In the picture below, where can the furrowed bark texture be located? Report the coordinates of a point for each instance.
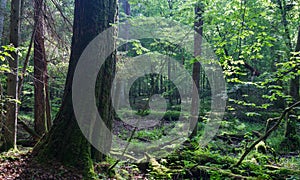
(65, 141)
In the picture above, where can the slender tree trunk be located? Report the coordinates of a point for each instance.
(284, 21)
(48, 106)
(291, 120)
(294, 86)
(122, 94)
(169, 84)
(282, 7)
(117, 94)
(196, 68)
(119, 90)
(126, 7)
(2, 15)
(10, 132)
(40, 72)
(65, 141)
(294, 83)
(1, 109)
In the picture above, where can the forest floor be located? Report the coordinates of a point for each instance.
(184, 163)
(20, 165)
(215, 161)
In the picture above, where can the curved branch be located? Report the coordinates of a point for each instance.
(268, 132)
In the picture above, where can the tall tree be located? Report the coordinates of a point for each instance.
(10, 132)
(2, 15)
(119, 93)
(42, 118)
(294, 83)
(198, 25)
(291, 122)
(294, 86)
(65, 142)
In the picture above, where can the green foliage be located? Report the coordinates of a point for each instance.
(239, 31)
(4, 54)
(154, 134)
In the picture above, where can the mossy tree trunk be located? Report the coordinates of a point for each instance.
(65, 141)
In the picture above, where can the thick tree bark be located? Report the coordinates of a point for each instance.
(2, 15)
(198, 25)
(65, 142)
(10, 132)
(40, 72)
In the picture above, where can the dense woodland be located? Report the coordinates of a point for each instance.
(238, 119)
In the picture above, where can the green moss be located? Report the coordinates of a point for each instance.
(66, 144)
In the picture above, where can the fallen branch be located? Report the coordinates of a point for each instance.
(115, 153)
(268, 132)
(29, 130)
(231, 137)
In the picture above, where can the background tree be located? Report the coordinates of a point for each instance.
(10, 131)
(2, 15)
(120, 85)
(295, 82)
(290, 133)
(42, 119)
(197, 65)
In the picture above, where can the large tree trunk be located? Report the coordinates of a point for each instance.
(10, 132)
(65, 142)
(2, 15)
(198, 25)
(40, 72)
